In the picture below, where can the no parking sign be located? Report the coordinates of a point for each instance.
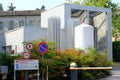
(43, 47)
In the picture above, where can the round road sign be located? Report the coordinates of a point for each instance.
(43, 47)
(29, 46)
(26, 55)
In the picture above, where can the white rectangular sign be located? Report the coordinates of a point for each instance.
(26, 64)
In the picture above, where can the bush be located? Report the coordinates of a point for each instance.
(116, 51)
(58, 62)
(7, 60)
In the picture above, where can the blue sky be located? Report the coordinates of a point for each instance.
(33, 4)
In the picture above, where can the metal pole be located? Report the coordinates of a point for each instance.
(14, 75)
(42, 73)
(42, 57)
(26, 75)
(73, 72)
(38, 70)
(47, 74)
(14, 71)
(38, 73)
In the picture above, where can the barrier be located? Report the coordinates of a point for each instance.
(91, 68)
(74, 68)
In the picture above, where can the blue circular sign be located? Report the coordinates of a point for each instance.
(43, 47)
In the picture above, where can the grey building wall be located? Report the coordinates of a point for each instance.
(54, 25)
(63, 39)
(19, 21)
(33, 33)
(99, 22)
(71, 31)
(2, 41)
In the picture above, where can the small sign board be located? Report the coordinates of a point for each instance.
(3, 69)
(26, 64)
(26, 55)
(43, 47)
(29, 46)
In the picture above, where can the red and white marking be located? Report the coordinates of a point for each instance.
(26, 55)
(29, 46)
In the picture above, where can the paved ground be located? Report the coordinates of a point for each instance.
(115, 73)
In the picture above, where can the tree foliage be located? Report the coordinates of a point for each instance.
(1, 7)
(98, 3)
(11, 7)
(74, 1)
(116, 51)
(7, 60)
(58, 61)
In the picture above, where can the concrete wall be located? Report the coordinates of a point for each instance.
(63, 39)
(54, 12)
(14, 38)
(2, 41)
(101, 25)
(33, 33)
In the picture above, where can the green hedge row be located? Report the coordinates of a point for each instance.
(116, 51)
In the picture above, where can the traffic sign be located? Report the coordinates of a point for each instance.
(26, 64)
(29, 46)
(43, 47)
(26, 55)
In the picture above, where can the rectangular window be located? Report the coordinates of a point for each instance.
(21, 23)
(30, 23)
(11, 24)
(1, 25)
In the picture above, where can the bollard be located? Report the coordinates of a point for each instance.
(73, 72)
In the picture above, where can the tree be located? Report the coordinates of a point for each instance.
(98, 3)
(43, 8)
(1, 8)
(74, 1)
(11, 7)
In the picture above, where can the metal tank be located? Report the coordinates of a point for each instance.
(84, 36)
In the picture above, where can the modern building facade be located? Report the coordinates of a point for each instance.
(58, 24)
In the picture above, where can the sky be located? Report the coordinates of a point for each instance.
(33, 4)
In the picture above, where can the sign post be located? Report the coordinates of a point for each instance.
(25, 65)
(29, 47)
(43, 49)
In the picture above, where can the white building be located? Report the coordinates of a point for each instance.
(57, 24)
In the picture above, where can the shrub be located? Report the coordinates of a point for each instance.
(58, 62)
(116, 51)
(7, 60)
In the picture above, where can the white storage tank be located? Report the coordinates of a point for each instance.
(84, 36)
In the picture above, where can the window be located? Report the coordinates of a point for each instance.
(11, 25)
(1, 25)
(21, 23)
(7, 49)
(30, 23)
